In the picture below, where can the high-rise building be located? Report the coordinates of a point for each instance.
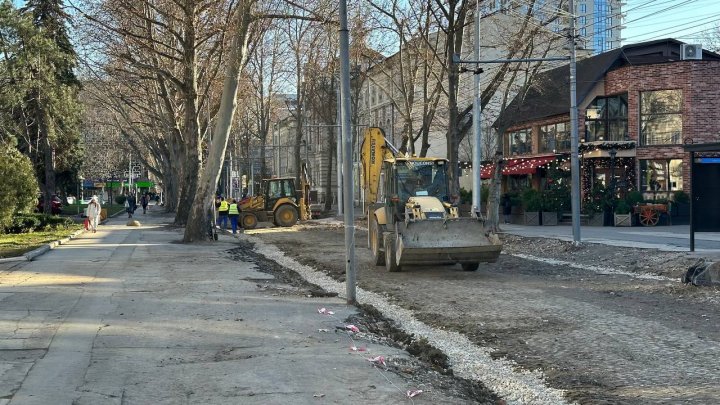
(598, 23)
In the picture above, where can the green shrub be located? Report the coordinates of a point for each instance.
(26, 223)
(120, 199)
(634, 198)
(681, 197)
(18, 186)
(622, 207)
(531, 200)
(22, 223)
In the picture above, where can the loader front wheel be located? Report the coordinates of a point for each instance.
(374, 238)
(390, 254)
(470, 266)
(286, 215)
(249, 221)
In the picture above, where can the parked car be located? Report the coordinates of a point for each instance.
(55, 204)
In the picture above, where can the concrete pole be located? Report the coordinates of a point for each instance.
(347, 155)
(574, 144)
(477, 112)
(339, 157)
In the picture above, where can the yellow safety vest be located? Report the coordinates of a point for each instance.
(223, 206)
(233, 209)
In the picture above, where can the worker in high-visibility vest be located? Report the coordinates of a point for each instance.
(223, 213)
(233, 213)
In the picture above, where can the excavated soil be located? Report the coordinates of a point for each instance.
(603, 337)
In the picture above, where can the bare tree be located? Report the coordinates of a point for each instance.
(412, 78)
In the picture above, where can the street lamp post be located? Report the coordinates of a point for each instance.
(79, 195)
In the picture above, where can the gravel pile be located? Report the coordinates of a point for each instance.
(468, 360)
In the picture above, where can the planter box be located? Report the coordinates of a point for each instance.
(549, 218)
(532, 218)
(596, 220)
(623, 219)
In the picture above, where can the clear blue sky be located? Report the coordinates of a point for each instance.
(686, 20)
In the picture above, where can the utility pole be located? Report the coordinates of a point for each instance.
(574, 159)
(477, 112)
(347, 155)
(338, 144)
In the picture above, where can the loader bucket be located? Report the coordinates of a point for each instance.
(457, 240)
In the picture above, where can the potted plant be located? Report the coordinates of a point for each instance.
(623, 216)
(551, 208)
(592, 209)
(532, 204)
(680, 208)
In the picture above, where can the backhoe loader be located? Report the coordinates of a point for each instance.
(411, 219)
(279, 201)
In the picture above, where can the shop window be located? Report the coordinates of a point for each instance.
(606, 119)
(661, 175)
(519, 142)
(660, 117)
(555, 137)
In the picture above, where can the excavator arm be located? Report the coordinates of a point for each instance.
(375, 149)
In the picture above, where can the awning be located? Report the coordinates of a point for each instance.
(518, 166)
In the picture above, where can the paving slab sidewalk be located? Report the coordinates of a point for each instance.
(130, 316)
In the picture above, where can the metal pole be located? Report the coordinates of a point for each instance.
(692, 199)
(339, 157)
(574, 161)
(130, 173)
(477, 111)
(347, 154)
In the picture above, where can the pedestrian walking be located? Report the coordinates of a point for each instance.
(233, 214)
(506, 207)
(130, 205)
(144, 202)
(223, 213)
(93, 213)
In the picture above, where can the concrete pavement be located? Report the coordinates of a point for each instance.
(675, 238)
(130, 316)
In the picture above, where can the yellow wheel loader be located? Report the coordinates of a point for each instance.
(279, 201)
(410, 217)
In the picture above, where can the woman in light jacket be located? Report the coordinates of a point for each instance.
(93, 213)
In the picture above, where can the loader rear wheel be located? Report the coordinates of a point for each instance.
(470, 266)
(374, 237)
(249, 221)
(286, 215)
(390, 254)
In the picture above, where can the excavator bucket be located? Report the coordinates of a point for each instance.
(455, 240)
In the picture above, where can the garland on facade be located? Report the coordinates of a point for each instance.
(589, 147)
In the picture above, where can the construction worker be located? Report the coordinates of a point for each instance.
(233, 213)
(223, 213)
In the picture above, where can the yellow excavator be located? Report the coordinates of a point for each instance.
(279, 201)
(410, 217)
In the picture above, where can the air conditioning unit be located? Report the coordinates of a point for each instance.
(691, 51)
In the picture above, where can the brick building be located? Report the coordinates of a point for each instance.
(638, 105)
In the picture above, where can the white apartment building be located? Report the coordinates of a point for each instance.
(382, 100)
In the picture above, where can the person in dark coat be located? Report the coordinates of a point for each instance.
(130, 205)
(506, 203)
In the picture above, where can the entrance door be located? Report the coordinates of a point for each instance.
(706, 195)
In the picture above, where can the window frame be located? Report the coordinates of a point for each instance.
(544, 146)
(528, 142)
(677, 114)
(669, 182)
(606, 120)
